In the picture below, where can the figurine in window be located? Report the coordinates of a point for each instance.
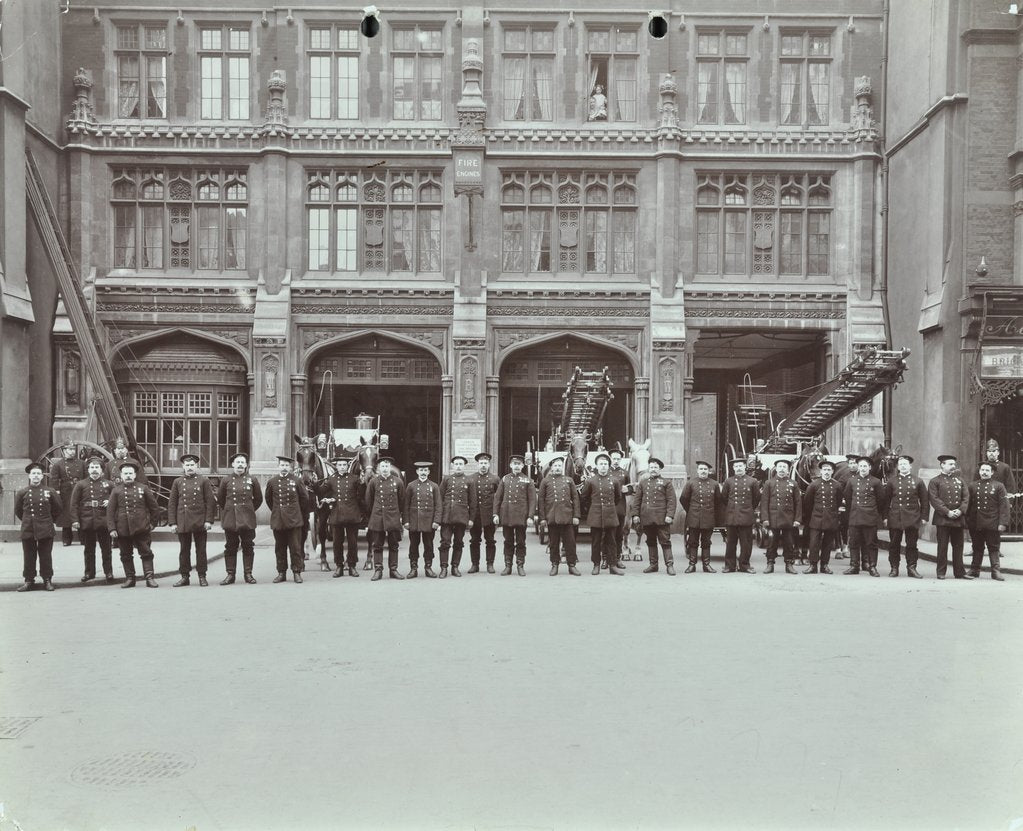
(598, 104)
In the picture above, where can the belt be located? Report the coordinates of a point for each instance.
(94, 503)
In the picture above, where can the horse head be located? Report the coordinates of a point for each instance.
(639, 455)
(807, 466)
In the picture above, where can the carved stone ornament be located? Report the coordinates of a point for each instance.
(510, 337)
(269, 342)
(270, 367)
(275, 121)
(468, 374)
(669, 106)
(863, 123)
(1017, 208)
(72, 379)
(82, 114)
(668, 345)
(433, 338)
(470, 343)
(667, 368)
(472, 107)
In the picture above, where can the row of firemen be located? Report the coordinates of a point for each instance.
(127, 511)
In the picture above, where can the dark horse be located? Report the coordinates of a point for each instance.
(313, 469)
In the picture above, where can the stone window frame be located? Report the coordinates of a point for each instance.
(421, 57)
(613, 59)
(529, 96)
(142, 47)
(809, 56)
(346, 44)
(773, 206)
(169, 202)
(361, 207)
(230, 54)
(722, 58)
(570, 200)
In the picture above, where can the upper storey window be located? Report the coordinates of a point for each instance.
(333, 72)
(141, 56)
(721, 62)
(417, 53)
(528, 62)
(611, 89)
(805, 94)
(224, 73)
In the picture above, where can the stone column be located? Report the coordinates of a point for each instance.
(299, 423)
(642, 408)
(447, 383)
(493, 414)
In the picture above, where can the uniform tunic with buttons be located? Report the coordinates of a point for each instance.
(515, 500)
(1003, 473)
(908, 502)
(87, 503)
(865, 500)
(700, 499)
(36, 507)
(558, 499)
(64, 475)
(458, 499)
(239, 496)
(348, 493)
(597, 499)
(132, 510)
(948, 492)
(286, 498)
(114, 471)
(781, 503)
(192, 504)
(821, 503)
(484, 486)
(385, 497)
(622, 478)
(422, 505)
(740, 497)
(654, 502)
(989, 505)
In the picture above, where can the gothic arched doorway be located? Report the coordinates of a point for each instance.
(386, 378)
(533, 379)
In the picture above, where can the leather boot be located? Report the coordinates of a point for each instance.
(297, 576)
(811, 570)
(109, 577)
(669, 567)
(429, 572)
(789, 568)
(378, 574)
(413, 573)
(280, 578)
(974, 571)
(48, 586)
(184, 581)
(707, 567)
(394, 574)
(443, 572)
(474, 569)
(507, 567)
(353, 571)
(202, 580)
(912, 572)
(227, 581)
(996, 567)
(339, 572)
(854, 567)
(554, 569)
(894, 572)
(596, 569)
(151, 581)
(613, 569)
(769, 569)
(825, 569)
(129, 582)
(692, 566)
(521, 571)
(248, 577)
(27, 586)
(872, 571)
(87, 577)
(490, 568)
(454, 571)
(653, 567)
(574, 571)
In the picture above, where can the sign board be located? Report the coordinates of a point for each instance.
(468, 448)
(1001, 362)
(468, 167)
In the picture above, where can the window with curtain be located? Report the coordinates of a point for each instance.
(528, 69)
(224, 73)
(805, 78)
(611, 89)
(417, 54)
(389, 222)
(568, 222)
(141, 58)
(333, 52)
(180, 218)
(764, 224)
(721, 69)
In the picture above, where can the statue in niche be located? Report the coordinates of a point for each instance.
(598, 105)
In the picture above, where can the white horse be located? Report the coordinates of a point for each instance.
(639, 462)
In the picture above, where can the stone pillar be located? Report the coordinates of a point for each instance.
(469, 399)
(447, 383)
(642, 408)
(299, 422)
(493, 414)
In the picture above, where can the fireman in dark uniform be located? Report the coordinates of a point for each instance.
(89, 502)
(950, 499)
(422, 519)
(781, 507)
(700, 499)
(239, 496)
(484, 483)
(908, 509)
(458, 507)
(191, 509)
(345, 493)
(558, 508)
(864, 497)
(514, 506)
(653, 510)
(1002, 472)
(987, 517)
(822, 507)
(131, 515)
(65, 473)
(35, 507)
(597, 500)
(385, 501)
(121, 454)
(740, 500)
(621, 476)
(287, 499)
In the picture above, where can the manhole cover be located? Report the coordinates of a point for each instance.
(13, 726)
(131, 769)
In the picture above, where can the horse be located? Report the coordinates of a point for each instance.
(313, 469)
(578, 446)
(639, 462)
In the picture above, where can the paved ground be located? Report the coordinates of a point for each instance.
(700, 701)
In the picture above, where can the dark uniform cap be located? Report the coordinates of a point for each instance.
(600, 456)
(733, 462)
(456, 458)
(859, 459)
(383, 459)
(479, 457)
(128, 463)
(97, 459)
(827, 463)
(190, 457)
(287, 459)
(244, 456)
(517, 458)
(782, 462)
(946, 457)
(31, 466)
(347, 459)
(852, 456)
(427, 465)
(708, 464)
(67, 444)
(653, 460)
(556, 459)
(907, 458)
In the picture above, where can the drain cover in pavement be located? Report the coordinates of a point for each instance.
(13, 726)
(131, 769)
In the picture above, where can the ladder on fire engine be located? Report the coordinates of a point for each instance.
(871, 372)
(113, 418)
(586, 397)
